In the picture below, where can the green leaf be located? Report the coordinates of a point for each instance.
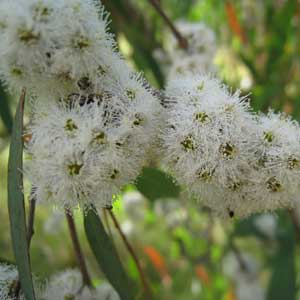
(106, 255)
(247, 227)
(155, 184)
(5, 113)
(283, 280)
(16, 204)
(129, 20)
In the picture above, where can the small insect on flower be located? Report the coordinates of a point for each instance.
(230, 213)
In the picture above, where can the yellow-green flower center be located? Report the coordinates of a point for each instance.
(188, 143)
(268, 136)
(84, 83)
(28, 36)
(234, 185)
(205, 174)
(200, 87)
(139, 119)
(74, 169)
(70, 125)
(202, 117)
(227, 150)
(81, 42)
(16, 71)
(131, 94)
(293, 162)
(273, 185)
(69, 297)
(41, 12)
(101, 71)
(99, 138)
(114, 174)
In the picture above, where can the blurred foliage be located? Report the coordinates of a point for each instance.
(155, 184)
(183, 248)
(5, 113)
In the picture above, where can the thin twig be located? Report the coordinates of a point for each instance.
(30, 222)
(78, 252)
(182, 41)
(145, 284)
(239, 257)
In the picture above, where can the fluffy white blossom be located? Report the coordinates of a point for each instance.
(234, 161)
(200, 37)
(208, 141)
(84, 153)
(48, 45)
(191, 64)
(8, 281)
(199, 55)
(93, 120)
(68, 285)
(278, 161)
(26, 40)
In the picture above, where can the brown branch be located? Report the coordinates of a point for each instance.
(239, 257)
(78, 252)
(182, 41)
(145, 284)
(30, 221)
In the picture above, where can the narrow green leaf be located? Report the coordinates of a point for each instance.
(106, 255)
(155, 184)
(283, 280)
(16, 204)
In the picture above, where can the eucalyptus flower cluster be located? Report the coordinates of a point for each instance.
(94, 123)
(233, 160)
(8, 282)
(198, 57)
(93, 120)
(65, 285)
(68, 284)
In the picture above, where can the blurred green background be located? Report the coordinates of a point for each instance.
(188, 253)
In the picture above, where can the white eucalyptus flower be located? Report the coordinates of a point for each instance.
(201, 40)
(94, 122)
(82, 153)
(198, 57)
(278, 160)
(27, 40)
(68, 285)
(208, 141)
(8, 281)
